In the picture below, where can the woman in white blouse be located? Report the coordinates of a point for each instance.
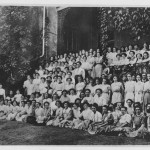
(129, 89)
(146, 93)
(2, 92)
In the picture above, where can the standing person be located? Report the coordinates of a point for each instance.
(99, 65)
(2, 92)
(144, 78)
(26, 83)
(36, 82)
(129, 89)
(18, 97)
(106, 90)
(117, 90)
(90, 86)
(79, 71)
(30, 88)
(146, 93)
(80, 85)
(139, 86)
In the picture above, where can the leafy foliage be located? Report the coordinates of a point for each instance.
(135, 20)
(17, 41)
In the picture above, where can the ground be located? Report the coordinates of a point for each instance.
(15, 133)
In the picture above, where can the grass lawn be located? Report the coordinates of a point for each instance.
(15, 133)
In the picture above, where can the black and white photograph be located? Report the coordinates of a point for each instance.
(74, 75)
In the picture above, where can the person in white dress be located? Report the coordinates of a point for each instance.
(117, 91)
(146, 92)
(36, 82)
(87, 117)
(30, 88)
(39, 112)
(69, 85)
(15, 110)
(80, 85)
(72, 95)
(18, 96)
(2, 92)
(139, 87)
(129, 89)
(98, 66)
(105, 90)
(22, 112)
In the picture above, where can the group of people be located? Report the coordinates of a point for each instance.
(86, 91)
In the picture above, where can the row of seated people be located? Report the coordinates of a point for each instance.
(109, 119)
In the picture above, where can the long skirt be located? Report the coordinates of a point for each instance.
(130, 132)
(20, 118)
(146, 99)
(98, 70)
(81, 124)
(138, 97)
(55, 122)
(116, 97)
(129, 95)
(11, 116)
(2, 116)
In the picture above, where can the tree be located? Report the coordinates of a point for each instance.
(18, 38)
(135, 20)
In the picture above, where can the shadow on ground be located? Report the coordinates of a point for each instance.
(15, 133)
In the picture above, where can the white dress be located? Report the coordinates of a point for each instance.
(139, 87)
(129, 89)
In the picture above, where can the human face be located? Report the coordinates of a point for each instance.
(59, 79)
(137, 111)
(114, 50)
(46, 105)
(143, 76)
(129, 103)
(118, 106)
(104, 81)
(23, 104)
(98, 92)
(93, 109)
(104, 110)
(75, 106)
(123, 111)
(138, 78)
(37, 105)
(109, 49)
(65, 105)
(130, 47)
(85, 106)
(14, 103)
(87, 93)
(115, 79)
(97, 82)
(58, 104)
(148, 77)
(129, 77)
(145, 55)
(133, 78)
